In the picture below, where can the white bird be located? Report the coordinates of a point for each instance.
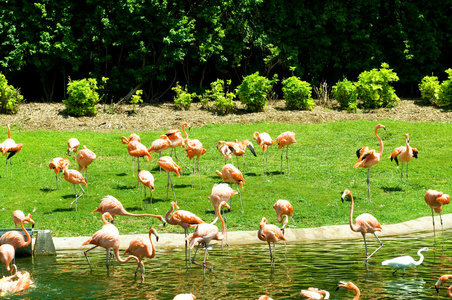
(403, 262)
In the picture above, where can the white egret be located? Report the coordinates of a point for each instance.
(403, 262)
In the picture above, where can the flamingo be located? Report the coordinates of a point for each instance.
(404, 154)
(440, 281)
(74, 177)
(314, 293)
(9, 285)
(237, 148)
(194, 149)
(349, 286)
(132, 137)
(177, 140)
(141, 249)
(271, 234)
(7, 253)
(264, 140)
(205, 233)
(147, 179)
(9, 146)
(137, 149)
(364, 223)
(113, 206)
(264, 297)
(225, 150)
(57, 165)
(72, 146)
(283, 209)
(19, 215)
(107, 237)
(367, 158)
(221, 192)
(285, 139)
(185, 297)
(84, 158)
(403, 262)
(16, 238)
(233, 175)
(435, 200)
(168, 164)
(159, 145)
(182, 218)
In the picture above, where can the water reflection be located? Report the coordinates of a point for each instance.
(245, 272)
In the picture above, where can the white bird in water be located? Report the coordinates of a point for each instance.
(403, 262)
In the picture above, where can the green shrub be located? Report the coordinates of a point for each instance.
(445, 93)
(183, 99)
(374, 90)
(9, 97)
(219, 93)
(83, 97)
(136, 99)
(297, 94)
(346, 94)
(254, 90)
(430, 89)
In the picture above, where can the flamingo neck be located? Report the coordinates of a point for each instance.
(26, 234)
(152, 246)
(116, 250)
(407, 145)
(352, 225)
(381, 142)
(9, 131)
(357, 294)
(167, 216)
(223, 230)
(183, 130)
(449, 291)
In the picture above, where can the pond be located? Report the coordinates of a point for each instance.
(245, 272)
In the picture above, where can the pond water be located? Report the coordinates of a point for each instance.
(245, 272)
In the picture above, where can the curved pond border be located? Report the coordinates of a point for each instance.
(335, 232)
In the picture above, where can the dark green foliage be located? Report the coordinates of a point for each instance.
(445, 95)
(9, 96)
(430, 89)
(182, 99)
(346, 94)
(297, 94)
(254, 90)
(83, 97)
(220, 95)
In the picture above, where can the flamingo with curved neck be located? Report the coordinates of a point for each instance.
(177, 140)
(15, 238)
(349, 286)
(369, 157)
(441, 280)
(404, 154)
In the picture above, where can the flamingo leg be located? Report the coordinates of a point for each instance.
(133, 166)
(381, 245)
(240, 197)
(204, 262)
(145, 199)
(142, 270)
(442, 228)
(160, 155)
(407, 176)
(238, 166)
(167, 187)
(175, 155)
(76, 197)
(271, 255)
(56, 179)
(365, 245)
(295, 225)
(194, 256)
(151, 197)
(287, 159)
(108, 267)
(401, 176)
(199, 175)
(172, 187)
(434, 231)
(138, 181)
(368, 184)
(86, 256)
(263, 161)
(281, 159)
(193, 173)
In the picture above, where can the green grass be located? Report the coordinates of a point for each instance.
(321, 168)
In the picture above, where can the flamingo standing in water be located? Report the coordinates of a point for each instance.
(177, 140)
(141, 249)
(74, 177)
(404, 154)
(7, 253)
(113, 206)
(16, 238)
(205, 233)
(283, 209)
(107, 237)
(271, 234)
(442, 280)
(182, 218)
(435, 200)
(147, 179)
(159, 145)
(9, 146)
(9, 285)
(233, 175)
(314, 293)
(364, 223)
(72, 146)
(168, 164)
(349, 286)
(285, 139)
(264, 140)
(194, 149)
(367, 158)
(126, 141)
(84, 158)
(57, 165)
(221, 192)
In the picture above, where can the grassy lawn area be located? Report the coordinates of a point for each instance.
(321, 167)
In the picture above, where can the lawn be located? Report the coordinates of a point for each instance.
(321, 167)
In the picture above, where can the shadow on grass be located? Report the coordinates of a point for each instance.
(125, 187)
(46, 190)
(121, 174)
(70, 196)
(60, 210)
(388, 189)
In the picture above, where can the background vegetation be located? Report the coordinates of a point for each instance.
(321, 167)
(151, 45)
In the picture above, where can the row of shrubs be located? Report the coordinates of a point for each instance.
(372, 90)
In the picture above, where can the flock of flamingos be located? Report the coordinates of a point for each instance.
(108, 236)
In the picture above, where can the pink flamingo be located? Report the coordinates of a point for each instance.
(9, 146)
(160, 145)
(9, 285)
(233, 175)
(367, 158)
(194, 149)
(314, 293)
(349, 286)
(237, 148)
(435, 200)
(182, 218)
(283, 209)
(364, 223)
(225, 150)
(147, 179)
(84, 158)
(177, 140)
(442, 280)
(264, 297)
(205, 233)
(7, 253)
(168, 164)
(126, 141)
(57, 165)
(74, 177)
(19, 216)
(137, 149)
(221, 192)
(107, 237)
(185, 297)
(285, 139)
(264, 140)
(404, 154)
(113, 206)
(271, 234)
(72, 146)
(141, 249)
(15, 238)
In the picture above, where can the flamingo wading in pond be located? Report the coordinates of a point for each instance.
(314, 293)
(442, 280)
(271, 234)
(435, 200)
(349, 286)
